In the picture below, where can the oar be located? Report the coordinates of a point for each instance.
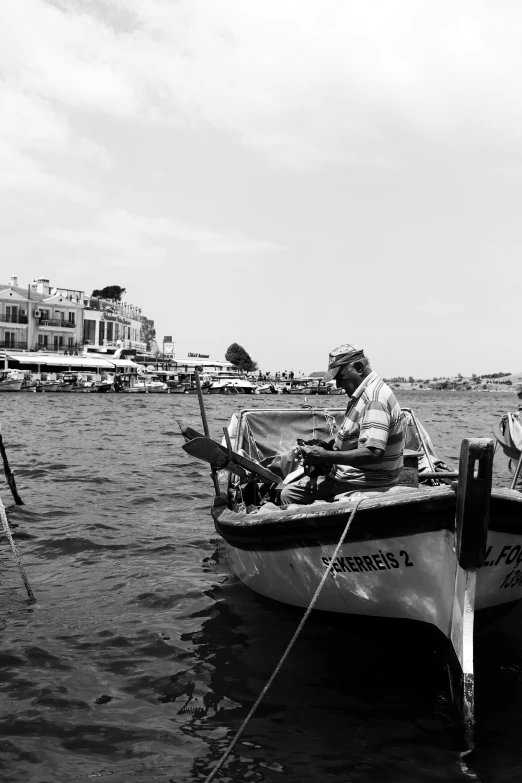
(517, 473)
(9, 474)
(189, 432)
(423, 443)
(205, 427)
(221, 459)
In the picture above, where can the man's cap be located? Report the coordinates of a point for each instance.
(344, 354)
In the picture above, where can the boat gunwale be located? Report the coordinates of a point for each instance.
(413, 513)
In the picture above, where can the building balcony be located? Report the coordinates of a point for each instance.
(19, 345)
(13, 319)
(71, 350)
(56, 323)
(117, 344)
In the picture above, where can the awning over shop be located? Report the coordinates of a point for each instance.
(123, 363)
(44, 359)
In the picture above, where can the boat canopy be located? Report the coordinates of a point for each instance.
(265, 432)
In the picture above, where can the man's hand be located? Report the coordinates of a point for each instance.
(314, 455)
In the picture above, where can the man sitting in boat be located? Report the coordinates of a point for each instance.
(367, 451)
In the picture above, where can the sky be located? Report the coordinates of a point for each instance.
(290, 175)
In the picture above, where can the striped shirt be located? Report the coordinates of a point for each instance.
(373, 419)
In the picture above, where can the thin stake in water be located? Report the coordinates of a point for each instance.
(9, 474)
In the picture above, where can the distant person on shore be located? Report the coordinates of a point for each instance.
(367, 451)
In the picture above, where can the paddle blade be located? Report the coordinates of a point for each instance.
(189, 433)
(211, 452)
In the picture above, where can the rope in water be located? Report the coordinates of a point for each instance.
(7, 531)
(293, 640)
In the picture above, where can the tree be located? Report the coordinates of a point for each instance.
(237, 355)
(109, 292)
(148, 332)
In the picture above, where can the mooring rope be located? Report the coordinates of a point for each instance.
(293, 640)
(7, 531)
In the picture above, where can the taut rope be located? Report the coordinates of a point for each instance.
(9, 537)
(293, 640)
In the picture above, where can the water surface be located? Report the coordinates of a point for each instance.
(143, 653)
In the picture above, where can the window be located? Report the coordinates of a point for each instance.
(70, 342)
(101, 332)
(89, 331)
(44, 315)
(71, 318)
(109, 331)
(55, 341)
(61, 341)
(9, 339)
(42, 341)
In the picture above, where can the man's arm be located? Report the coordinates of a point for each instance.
(315, 455)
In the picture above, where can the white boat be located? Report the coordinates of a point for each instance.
(9, 383)
(48, 386)
(433, 555)
(231, 386)
(268, 388)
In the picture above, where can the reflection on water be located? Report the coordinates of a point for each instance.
(143, 654)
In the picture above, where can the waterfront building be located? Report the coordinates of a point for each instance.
(57, 315)
(15, 332)
(40, 317)
(109, 325)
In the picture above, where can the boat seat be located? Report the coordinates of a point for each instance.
(410, 472)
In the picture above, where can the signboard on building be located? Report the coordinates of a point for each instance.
(168, 349)
(199, 355)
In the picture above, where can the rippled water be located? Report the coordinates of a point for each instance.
(143, 653)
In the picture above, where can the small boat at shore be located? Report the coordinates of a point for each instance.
(9, 384)
(431, 553)
(231, 386)
(48, 386)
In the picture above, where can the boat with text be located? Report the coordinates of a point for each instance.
(432, 550)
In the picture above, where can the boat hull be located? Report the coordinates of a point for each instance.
(398, 560)
(10, 386)
(409, 578)
(133, 390)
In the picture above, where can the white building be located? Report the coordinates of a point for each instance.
(108, 324)
(40, 317)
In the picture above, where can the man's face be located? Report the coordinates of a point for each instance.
(348, 378)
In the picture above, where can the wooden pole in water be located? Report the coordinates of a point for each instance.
(9, 475)
(205, 424)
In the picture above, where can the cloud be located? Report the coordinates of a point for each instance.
(22, 173)
(138, 236)
(303, 82)
(440, 307)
